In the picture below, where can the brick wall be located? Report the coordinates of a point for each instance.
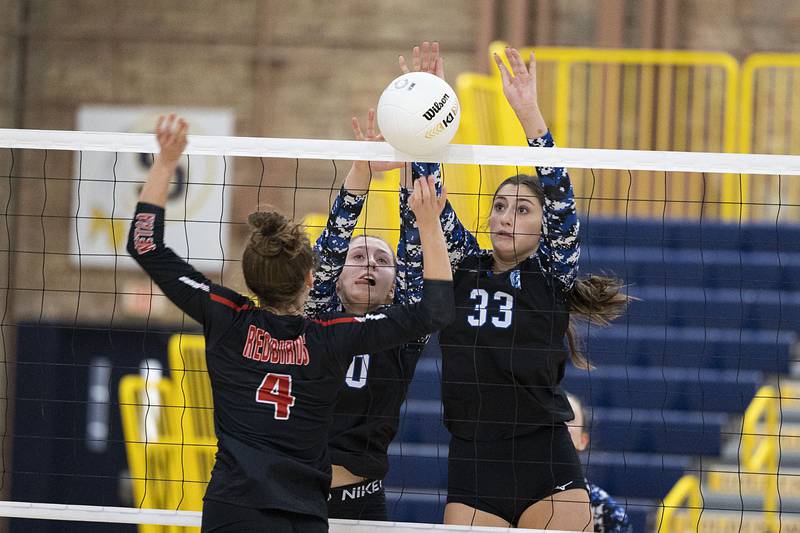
(290, 69)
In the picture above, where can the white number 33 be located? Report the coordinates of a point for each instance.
(481, 299)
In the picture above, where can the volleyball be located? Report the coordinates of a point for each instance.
(418, 113)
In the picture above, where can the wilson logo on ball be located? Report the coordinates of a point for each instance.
(436, 107)
(444, 124)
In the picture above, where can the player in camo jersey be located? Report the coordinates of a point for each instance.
(359, 275)
(608, 515)
(511, 461)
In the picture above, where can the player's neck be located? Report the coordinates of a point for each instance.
(295, 308)
(358, 308)
(500, 265)
(284, 311)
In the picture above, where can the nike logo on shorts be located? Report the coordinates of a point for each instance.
(563, 487)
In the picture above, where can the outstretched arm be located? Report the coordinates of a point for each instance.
(210, 304)
(171, 136)
(400, 324)
(559, 247)
(460, 242)
(333, 243)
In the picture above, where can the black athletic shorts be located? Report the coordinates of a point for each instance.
(505, 477)
(361, 501)
(221, 517)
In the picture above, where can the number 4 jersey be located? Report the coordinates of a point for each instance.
(504, 354)
(274, 378)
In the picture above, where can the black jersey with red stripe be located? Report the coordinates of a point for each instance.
(275, 378)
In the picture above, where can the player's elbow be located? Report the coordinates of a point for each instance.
(443, 319)
(438, 304)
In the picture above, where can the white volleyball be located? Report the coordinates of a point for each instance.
(419, 113)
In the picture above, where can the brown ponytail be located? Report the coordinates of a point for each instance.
(597, 300)
(277, 259)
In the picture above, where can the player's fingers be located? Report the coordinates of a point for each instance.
(426, 52)
(415, 58)
(442, 197)
(357, 129)
(413, 200)
(503, 70)
(170, 122)
(514, 62)
(432, 189)
(440, 67)
(159, 124)
(425, 190)
(514, 59)
(403, 66)
(371, 123)
(183, 128)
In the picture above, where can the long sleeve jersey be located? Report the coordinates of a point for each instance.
(504, 355)
(367, 411)
(608, 515)
(274, 378)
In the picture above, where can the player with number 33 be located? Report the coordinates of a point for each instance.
(511, 461)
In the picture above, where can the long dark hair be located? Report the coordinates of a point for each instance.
(593, 298)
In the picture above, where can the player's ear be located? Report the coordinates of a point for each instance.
(310, 279)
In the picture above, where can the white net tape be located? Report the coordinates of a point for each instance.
(459, 154)
(127, 515)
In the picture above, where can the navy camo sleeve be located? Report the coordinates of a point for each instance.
(559, 247)
(460, 242)
(609, 516)
(408, 288)
(331, 248)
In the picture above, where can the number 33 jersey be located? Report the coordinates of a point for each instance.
(274, 378)
(504, 355)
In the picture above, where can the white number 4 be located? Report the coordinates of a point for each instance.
(481, 299)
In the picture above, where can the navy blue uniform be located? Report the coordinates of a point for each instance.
(503, 358)
(367, 411)
(274, 377)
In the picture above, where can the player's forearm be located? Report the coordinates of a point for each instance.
(532, 121)
(155, 188)
(436, 263)
(357, 180)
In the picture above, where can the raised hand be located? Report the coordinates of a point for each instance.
(424, 59)
(519, 88)
(171, 134)
(357, 180)
(425, 203)
(372, 135)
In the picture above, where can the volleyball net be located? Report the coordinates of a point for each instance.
(107, 410)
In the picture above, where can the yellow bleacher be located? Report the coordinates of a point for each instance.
(171, 465)
(631, 99)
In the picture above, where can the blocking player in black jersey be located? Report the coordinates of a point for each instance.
(359, 275)
(511, 460)
(275, 374)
